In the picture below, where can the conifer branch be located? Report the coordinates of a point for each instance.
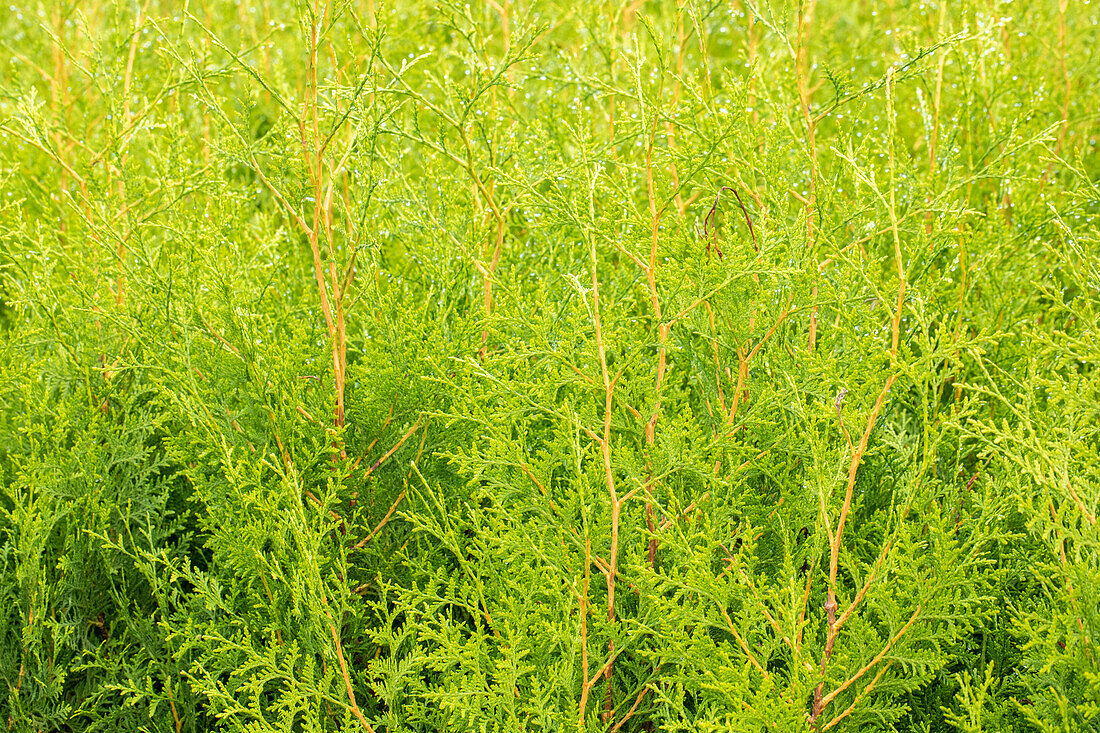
(863, 670)
(741, 641)
(164, 183)
(344, 671)
(382, 523)
(866, 690)
(408, 434)
(633, 708)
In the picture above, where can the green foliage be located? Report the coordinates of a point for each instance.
(639, 366)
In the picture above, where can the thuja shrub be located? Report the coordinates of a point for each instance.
(627, 366)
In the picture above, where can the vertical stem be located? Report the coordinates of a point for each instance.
(662, 337)
(1066, 86)
(58, 104)
(605, 451)
(957, 396)
(858, 451)
(172, 705)
(344, 671)
(670, 128)
(585, 686)
(120, 281)
(753, 52)
(313, 156)
(934, 135)
(613, 563)
(487, 274)
(205, 113)
(805, 18)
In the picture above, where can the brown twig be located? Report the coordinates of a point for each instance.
(805, 19)
(1077, 500)
(690, 507)
(391, 451)
(630, 713)
(1067, 85)
(863, 670)
(378, 527)
(385, 424)
(744, 359)
(662, 351)
(741, 641)
(711, 235)
(172, 704)
(583, 612)
(538, 484)
(344, 671)
(870, 686)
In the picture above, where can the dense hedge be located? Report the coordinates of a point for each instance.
(608, 366)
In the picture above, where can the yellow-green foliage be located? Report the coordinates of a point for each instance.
(545, 365)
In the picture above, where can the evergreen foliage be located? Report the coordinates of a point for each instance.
(541, 366)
